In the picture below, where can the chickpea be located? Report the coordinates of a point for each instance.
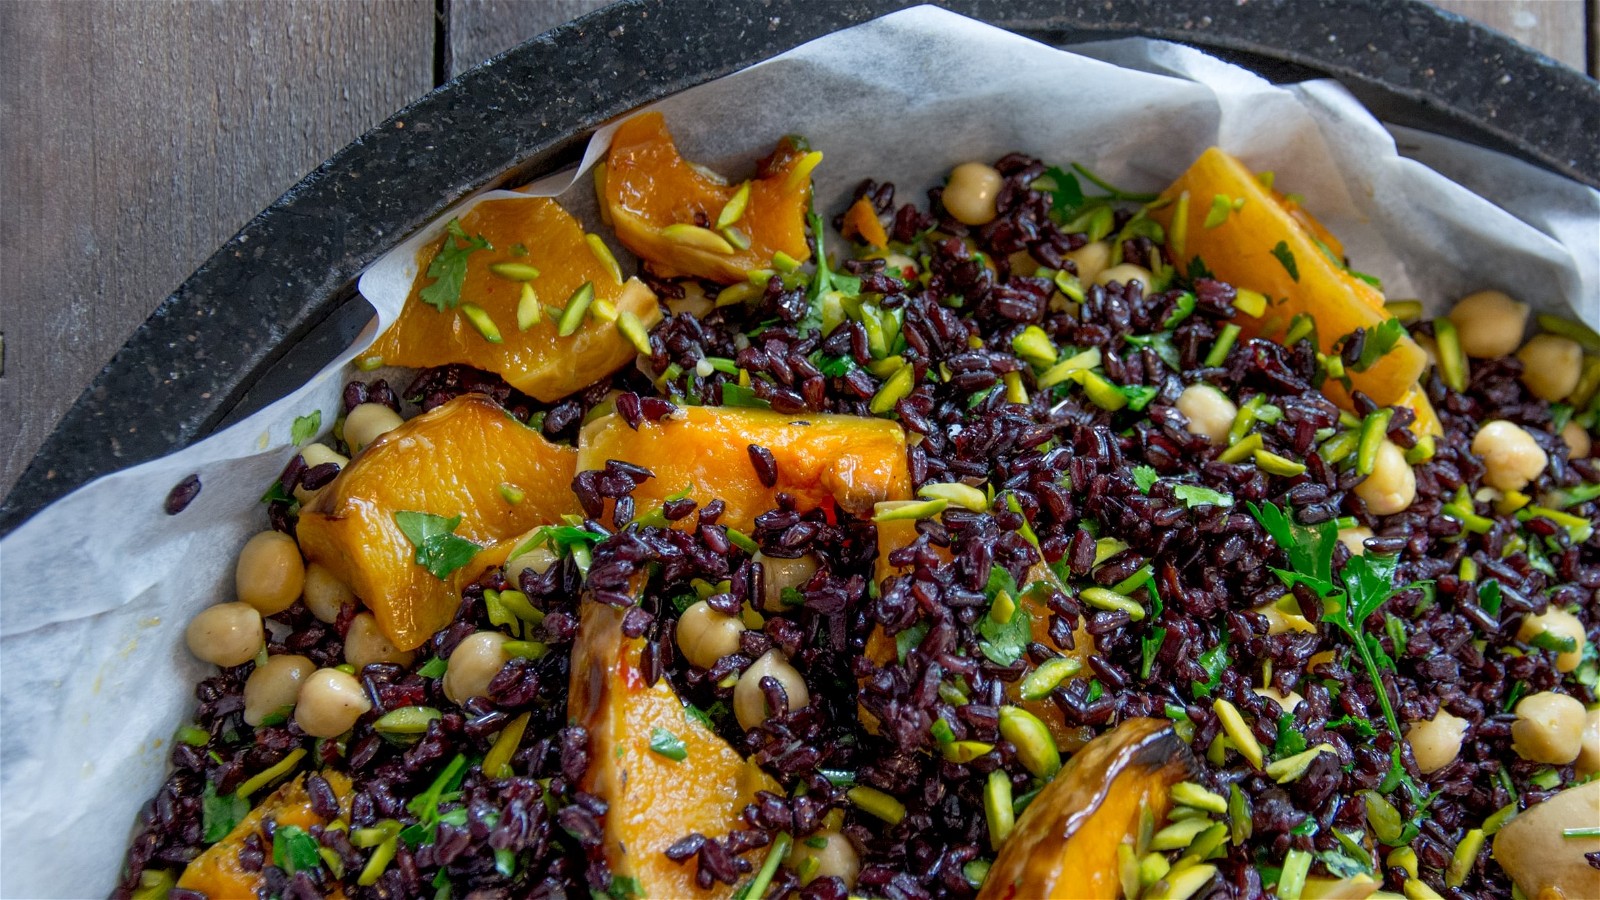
(473, 664)
(750, 704)
(1561, 624)
(1354, 539)
(1489, 323)
(705, 635)
(368, 422)
(228, 634)
(836, 857)
(1209, 411)
(1589, 750)
(1539, 859)
(325, 594)
(1392, 485)
(364, 645)
(316, 455)
(1579, 444)
(1510, 455)
(1090, 259)
(1125, 273)
(1287, 702)
(1436, 742)
(270, 573)
(274, 686)
(971, 192)
(1551, 366)
(539, 559)
(1549, 728)
(777, 574)
(330, 702)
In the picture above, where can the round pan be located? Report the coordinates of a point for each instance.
(277, 301)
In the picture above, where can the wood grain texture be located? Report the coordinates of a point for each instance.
(1556, 28)
(139, 137)
(479, 29)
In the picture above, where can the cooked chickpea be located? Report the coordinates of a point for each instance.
(826, 854)
(1510, 455)
(1541, 861)
(1287, 702)
(1551, 366)
(1560, 624)
(473, 664)
(971, 192)
(705, 635)
(1589, 750)
(330, 702)
(368, 422)
(228, 634)
(1354, 539)
(1125, 273)
(1209, 411)
(1392, 485)
(270, 573)
(750, 704)
(1280, 621)
(1091, 259)
(365, 644)
(316, 455)
(777, 574)
(539, 559)
(1579, 444)
(325, 594)
(274, 686)
(1549, 728)
(1436, 742)
(1489, 323)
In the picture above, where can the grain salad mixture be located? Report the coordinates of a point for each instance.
(1039, 539)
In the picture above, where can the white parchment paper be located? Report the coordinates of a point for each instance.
(96, 590)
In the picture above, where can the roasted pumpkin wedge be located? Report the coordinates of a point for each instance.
(661, 771)
(450, 461)
(822, 460)
(219, 874)
(511, 313)
(1065, 843)
(1259, 241)
(685, 220)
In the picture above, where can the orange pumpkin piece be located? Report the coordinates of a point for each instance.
(448, 461)
(653, 799)
(1065, 843)
(536, 361)
(861, 220)
(666, 209)
(1272, 247)
(217, 872)
(823, 460)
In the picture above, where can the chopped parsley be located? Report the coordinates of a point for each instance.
(1379, 342)
(305, 427)
(668, 744)
(449, 267)
(1193, 495)
(220, 813)
(1285, 256)
(1145, 477)
(439, 550)
(1007, 627)
(293, 850)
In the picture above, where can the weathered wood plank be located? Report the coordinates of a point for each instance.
(480, 29)
(140, 136)
(1556, 28)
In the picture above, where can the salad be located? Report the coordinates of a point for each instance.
(1036, 539)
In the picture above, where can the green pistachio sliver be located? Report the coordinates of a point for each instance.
(1063, 370)
(699, 238)
(1292, 881)
(733, 210)
(525, 649)
(1048, 676)
(733, 294)
(601, 252)
(1069, 285)
(1198, 796)
(1385, 820)
(877, 803)
(514, 271)
(1178, 235)
(1290, 768)
(1111, 601)
(479, 317)
(379, 862)
(193, 735)
(1219, 350)
(896, 388)
(1152, 868)
(1128, 870)
(406, 720)
(1465, 855)
(1207, 843)
(962, 752)
(1421, 451)
(633, 329)
(1251, 303)
(1182, 882)
(975, 872)
(1179, 834)
(1101, 392)
(903, 510)
(783, 262)
(1033, 345)
(955, 492)
(367, 838)
(1454, 370)
(1273, 464)
(1567, 328)
(1240, 822)
(529, 312)
(369, 363)
(735, 237)
(1407, 311)
(1221, 206)
(1036, 747)
(1245, 418)
(1374, 431)
(1238, 732)
(577, 305)
(997, 810)
(1301, 327)
(1241, 451)
(267, 776)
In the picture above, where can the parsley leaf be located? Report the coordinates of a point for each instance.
(624, 887)
(1379, 342)
(739, 395)
(1198, 270)
(1066, 194)
(220, 814)
(1145, 477)
(1004, 641)
(1193, 495)
(449, 267)
(1286, 257)
(668, 744)
(425, 806)
(1214, 661)
(1184, 308)
(1137, 395)
(293, 850)
(439, 550)
(1161, 343)
(433, 668)
(1290, 741)
(1310, 549)
(1149, 646)
(909, 640)
(305, 427)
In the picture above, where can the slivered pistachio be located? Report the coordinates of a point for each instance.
(1290, 768)
(1101, 392)
(1421, 451)
(783, 262)
(877, 803)
(1240, 824)
(378, 862)
(528, 311)
(603, 310)
(601, 252)
(1190, 794)
(1417, 889)
(1406, 311)
(1273, 464)
(1465, 855)
(369, 363)
(736, 237)
(957, 493)
(896, 388)
(1182, 882)
(1041, 681)
(1403, 858)
(525, 649)
(1454, 370)
(1207, 843)
(1107, 599)
(899, 510)
(802, 171)
(634, 331)
(577, 305)
(1128, 870)
(698, 238)
(1301, 327)
(1385, 820)
(269, 775)
(1292, 880)
(1221, 206)
(1016, 391)
(1498, 819)
(365, 838)
(997, 810)
(733, 210)
(1069, 285)
(1036, 747)
(1033, 345)
(497, 762)
(1178, 236)
(1152, 868)
(1219, 351)
(733, 294)
(1251, 303)
(1241, 451)
(514, 271)
(406, 720)
(1063, 370)
(1179, 834)
(1179, 813)
(1374, 429)
(1567, 328)
(479, 318)
(1233, 724)
(975, 872)
(962, 752)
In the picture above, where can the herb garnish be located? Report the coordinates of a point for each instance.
(293, 850)
(305, 427)
(668, 744)
(1286, 257)
(1379, 342)
(439, 550)
(1007, 627)
(449, 267)
(220, 813)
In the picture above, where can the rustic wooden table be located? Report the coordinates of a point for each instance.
(140, 135)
